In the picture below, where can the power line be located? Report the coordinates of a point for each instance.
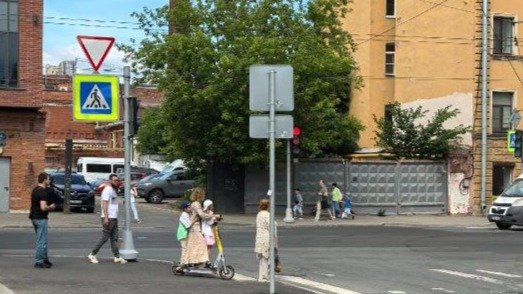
(400, 23)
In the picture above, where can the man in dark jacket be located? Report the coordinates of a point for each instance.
(40, 208)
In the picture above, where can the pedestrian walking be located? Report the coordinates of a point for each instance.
(262, 241)
(336, 199)
(322, 203)
(134, 194)
(40, 208)
(298, 204)
(109, 221)
(347, 207)
(184, 223)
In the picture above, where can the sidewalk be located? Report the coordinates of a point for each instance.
(90, 220)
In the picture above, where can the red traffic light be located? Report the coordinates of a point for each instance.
(296, 131)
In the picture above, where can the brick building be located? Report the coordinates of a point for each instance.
(36, 112)
(22, 118)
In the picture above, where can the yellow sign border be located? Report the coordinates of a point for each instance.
(115, 93)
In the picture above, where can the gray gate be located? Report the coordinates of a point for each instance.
(398, 187)
(4, 184)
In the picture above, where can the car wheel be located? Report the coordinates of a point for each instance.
(90, 209)
(503, 226)
(155, 196)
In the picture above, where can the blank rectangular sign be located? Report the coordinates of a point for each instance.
(259, 126)
(259, 87)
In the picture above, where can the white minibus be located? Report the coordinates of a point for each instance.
(93, 168)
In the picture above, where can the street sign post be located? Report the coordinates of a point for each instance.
(95, 49)
(95, 98)
(271, 89)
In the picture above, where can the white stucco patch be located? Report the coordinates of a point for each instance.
(458, 198)
(462, 101)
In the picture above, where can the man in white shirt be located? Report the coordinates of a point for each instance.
(109, 220)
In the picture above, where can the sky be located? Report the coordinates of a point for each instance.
(66, 19)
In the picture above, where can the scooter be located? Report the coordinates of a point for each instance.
(218, 269)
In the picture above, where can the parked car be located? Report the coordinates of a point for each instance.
(146, 171)
(135, 177)
(164, 185)
(81, 195)
(507, 209)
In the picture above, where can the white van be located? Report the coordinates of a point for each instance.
(507, 209)
(93, 168)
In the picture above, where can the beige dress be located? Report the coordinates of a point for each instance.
(262, 245)
(196, 247)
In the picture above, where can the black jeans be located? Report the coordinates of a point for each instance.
(109, 231)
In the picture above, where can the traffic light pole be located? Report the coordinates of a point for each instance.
(288, 211)
(127, 250)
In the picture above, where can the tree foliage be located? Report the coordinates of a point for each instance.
(405, 134)
(202, 67)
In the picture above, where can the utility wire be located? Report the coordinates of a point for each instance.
(400, 23)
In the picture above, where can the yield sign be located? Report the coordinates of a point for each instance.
(95, 48)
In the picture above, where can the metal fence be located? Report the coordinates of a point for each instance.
(395, 187)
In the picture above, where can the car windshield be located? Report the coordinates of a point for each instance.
(514, 190)
(75, 180)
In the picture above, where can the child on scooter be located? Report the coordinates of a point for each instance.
(183, 227)
(207, 229)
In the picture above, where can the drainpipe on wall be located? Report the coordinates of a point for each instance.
(484, 73)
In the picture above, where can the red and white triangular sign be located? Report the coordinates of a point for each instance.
(95, 48)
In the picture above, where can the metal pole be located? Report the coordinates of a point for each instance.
(288, 212)
(484, 73)
(127, 251)
(272, 167)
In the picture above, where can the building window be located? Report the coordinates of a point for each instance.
(8, 43)
(503, 35)
(501, 178)
(390, 9)
(501, 110)
(389, 59)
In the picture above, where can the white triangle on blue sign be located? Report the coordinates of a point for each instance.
(95, 99)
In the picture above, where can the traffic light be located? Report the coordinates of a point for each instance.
(134, 106)
(518, 144)
(296, 140)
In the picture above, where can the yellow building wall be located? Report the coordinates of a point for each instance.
(434, 54)
(437, 58)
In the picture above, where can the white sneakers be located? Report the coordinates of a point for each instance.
(92, 258)
(119, 260)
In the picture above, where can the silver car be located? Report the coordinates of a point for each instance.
(172, 184)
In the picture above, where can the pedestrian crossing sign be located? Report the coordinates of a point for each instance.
(95, 98)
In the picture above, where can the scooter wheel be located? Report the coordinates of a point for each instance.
(227, 272)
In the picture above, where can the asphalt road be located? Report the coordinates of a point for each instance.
(343, 259)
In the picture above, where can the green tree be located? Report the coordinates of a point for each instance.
(202, 67)
(404, 134)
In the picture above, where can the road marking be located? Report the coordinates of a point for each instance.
(242, 278)
(470, 276)
(5, 290)
(396, 292)
(443, 290)
(290, 280)
(499, 274)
